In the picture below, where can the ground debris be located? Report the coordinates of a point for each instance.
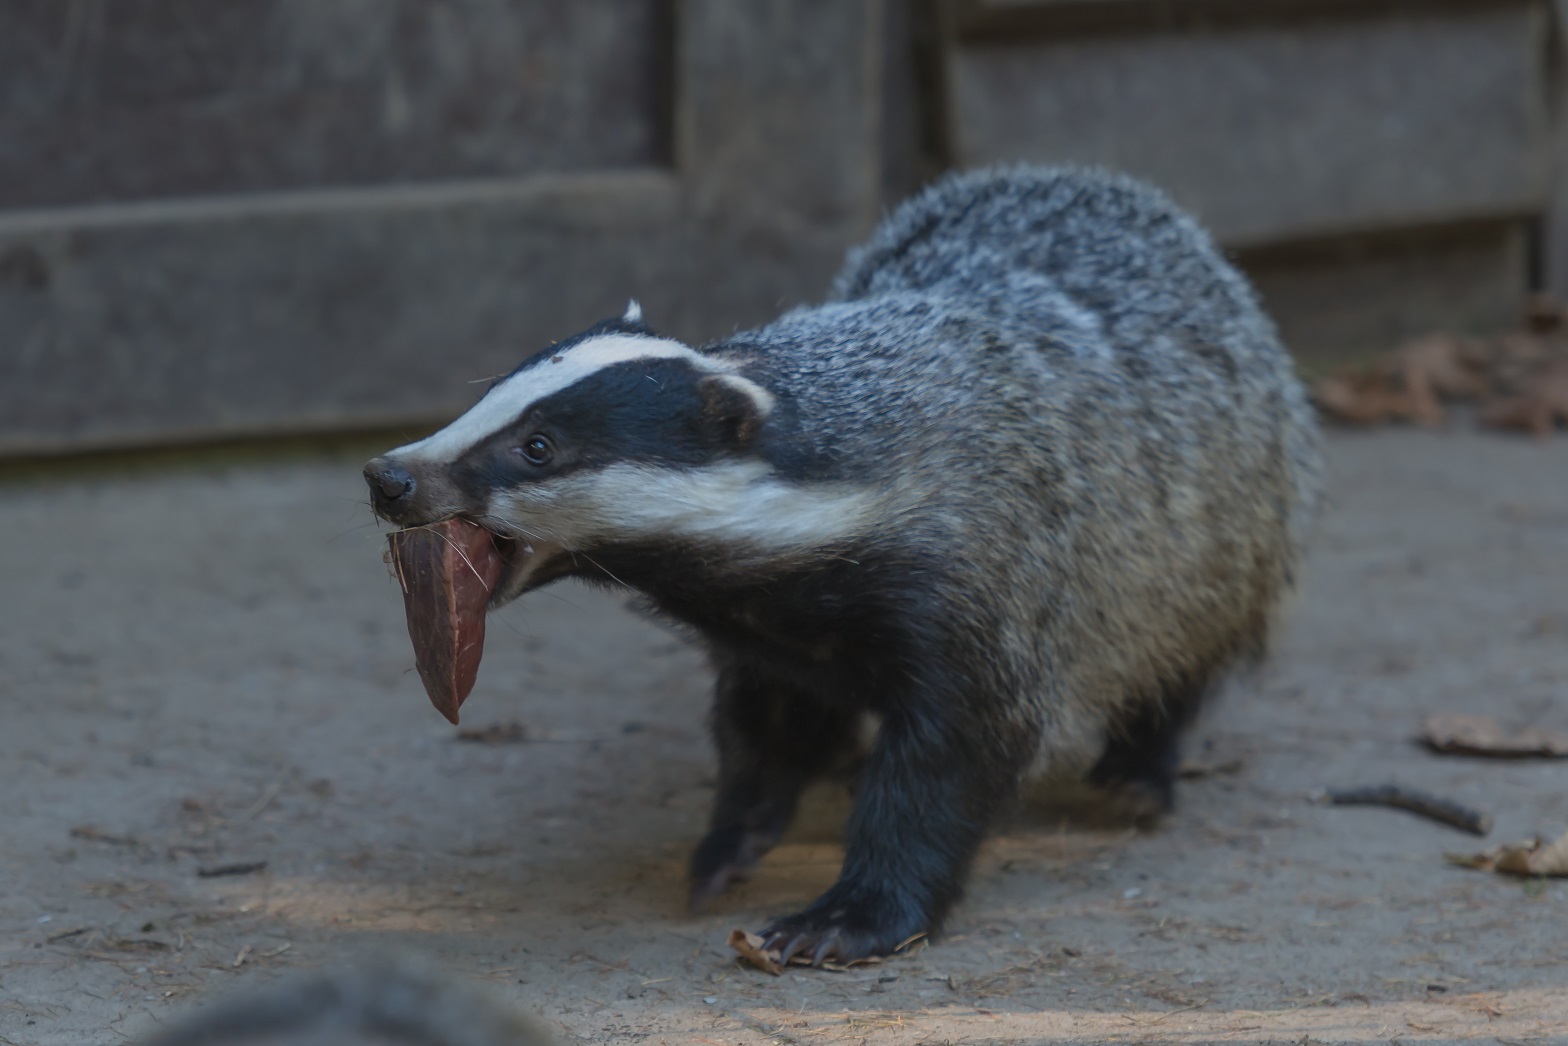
(1519, 378)
(749, 947)
(236, 868)
(1190, 770)
(1422, 804)
(1453, 734)
(135, 944)
(98, 835)
(1532, 857)
(510, 733)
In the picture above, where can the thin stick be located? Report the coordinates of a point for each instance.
(238, 868)
(1422, 804)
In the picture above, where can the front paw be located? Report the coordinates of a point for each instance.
(845, 927)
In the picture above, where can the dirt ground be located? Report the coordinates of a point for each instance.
(205, 664)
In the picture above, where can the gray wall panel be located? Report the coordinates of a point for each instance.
(238, 314)
(122, 101)
(1282, 130)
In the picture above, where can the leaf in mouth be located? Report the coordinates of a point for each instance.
(447, 571)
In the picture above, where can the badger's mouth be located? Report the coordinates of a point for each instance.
(452, 573)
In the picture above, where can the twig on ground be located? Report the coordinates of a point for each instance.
(1422, 804)
(237, 868)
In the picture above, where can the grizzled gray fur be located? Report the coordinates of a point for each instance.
(1019, 494)
(1065, 393)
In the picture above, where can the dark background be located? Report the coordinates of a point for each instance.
(273, 217)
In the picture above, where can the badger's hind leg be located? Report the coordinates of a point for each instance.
(1143, 749)
(772, 742)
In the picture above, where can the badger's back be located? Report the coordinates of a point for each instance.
(1085, 407)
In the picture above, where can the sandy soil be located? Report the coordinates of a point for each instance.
(206, 665)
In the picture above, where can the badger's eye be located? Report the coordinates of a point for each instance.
(537, 449)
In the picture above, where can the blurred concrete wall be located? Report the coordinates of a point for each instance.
(268, 216)
(276, 216)
(1379, 167)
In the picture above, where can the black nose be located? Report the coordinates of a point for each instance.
(388, 482)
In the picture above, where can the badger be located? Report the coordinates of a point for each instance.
(1035, 475)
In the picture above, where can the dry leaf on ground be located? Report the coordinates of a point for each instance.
(1531, 857)
(1438, 366)
(1454, 734)
(749, 947)
(1538, 408)
(1363, 399)
(1521, 377)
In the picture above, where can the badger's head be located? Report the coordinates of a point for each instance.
(613, 436)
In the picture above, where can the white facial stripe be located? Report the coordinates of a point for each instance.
(741, 504)
(509, 400)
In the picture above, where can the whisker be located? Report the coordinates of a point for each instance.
(601, 566)
(344, 533)
(397, 568)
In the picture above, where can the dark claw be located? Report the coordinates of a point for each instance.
(796, 945)
(823, 951)
(843, 927)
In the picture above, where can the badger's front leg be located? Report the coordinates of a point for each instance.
(930, 788)
(772, 741)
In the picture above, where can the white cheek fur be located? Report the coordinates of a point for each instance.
(742, 505)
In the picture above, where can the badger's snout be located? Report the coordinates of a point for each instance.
(392, 490)
(390, 481)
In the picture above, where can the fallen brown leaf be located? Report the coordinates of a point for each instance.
(749, 947)
(1365, 398)
(1455, 734)
(1532, 857)
(1538, 408)
(1437, 366)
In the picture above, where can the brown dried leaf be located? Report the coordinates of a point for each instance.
(1532, 857)
(749, 947)
(447, 571)
(1480, 735)
(1541, 404)
(1363, 398)
(1439, 365)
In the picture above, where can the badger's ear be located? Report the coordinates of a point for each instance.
(734, 407)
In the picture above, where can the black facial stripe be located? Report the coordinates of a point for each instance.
(646, 410)
(640, 410)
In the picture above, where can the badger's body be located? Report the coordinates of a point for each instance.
(1023, 489)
